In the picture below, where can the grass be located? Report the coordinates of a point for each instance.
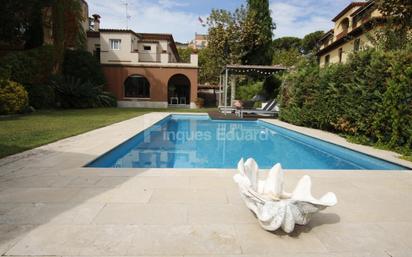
(365, 141)
(24, 132)
(407, 157)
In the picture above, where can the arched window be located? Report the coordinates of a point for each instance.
(137, 86)
(344, 25)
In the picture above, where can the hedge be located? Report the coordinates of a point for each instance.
(369, 97)
(32, 69)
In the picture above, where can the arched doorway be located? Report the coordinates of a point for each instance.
(178, 89)
(136, 86)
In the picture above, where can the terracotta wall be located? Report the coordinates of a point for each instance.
(158, 78)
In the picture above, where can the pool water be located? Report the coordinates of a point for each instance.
(195, 141)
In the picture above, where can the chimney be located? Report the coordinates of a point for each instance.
(96, 22)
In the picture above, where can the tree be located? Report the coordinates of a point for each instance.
(74, 33)
(310, 43)
(398, 11)
(225, 45)
(397, 30)
(33, 35)
(185, 53)
(67, 29)
(257, 33)
(12, 21)
(224, 37)
(240, 37)
(287, 51)
(287, 58)
(21, 23)
(243, 36)
(287, 43)
(209, 71)
(58, 35)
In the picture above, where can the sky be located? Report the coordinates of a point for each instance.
(181, 17)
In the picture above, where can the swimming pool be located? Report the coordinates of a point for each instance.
(195, 141)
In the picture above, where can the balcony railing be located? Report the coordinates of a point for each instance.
(135, 57)
(342, 34)
(149, 57)
(163, 58)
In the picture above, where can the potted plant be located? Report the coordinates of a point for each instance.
(200, 102)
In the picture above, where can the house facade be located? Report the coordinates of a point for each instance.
(144, 69)
(350, 33)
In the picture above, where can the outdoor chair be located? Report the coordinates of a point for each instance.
(182, 100)
(174, 99)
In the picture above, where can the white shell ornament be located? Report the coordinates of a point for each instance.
(273, 207)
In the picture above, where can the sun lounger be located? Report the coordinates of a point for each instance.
(227, 109)
(270, 109)
(230, 109)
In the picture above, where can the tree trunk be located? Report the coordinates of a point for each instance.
(58, 34)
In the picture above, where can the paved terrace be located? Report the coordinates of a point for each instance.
(49, 205)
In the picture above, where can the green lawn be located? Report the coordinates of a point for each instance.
(20, 133)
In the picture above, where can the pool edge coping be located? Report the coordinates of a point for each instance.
(368, 150)
(385, 155)
(375, 153)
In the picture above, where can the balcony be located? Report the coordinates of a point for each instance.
(164, 58)
(342, 34)
(149, 57)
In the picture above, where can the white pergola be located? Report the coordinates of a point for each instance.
(242, 70)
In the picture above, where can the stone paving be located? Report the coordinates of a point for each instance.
(51, 206)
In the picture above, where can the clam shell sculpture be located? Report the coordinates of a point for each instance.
(274, 207)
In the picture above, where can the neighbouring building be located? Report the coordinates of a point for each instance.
(199, 42)
(182, 45)
(143, 69)
(350, 33)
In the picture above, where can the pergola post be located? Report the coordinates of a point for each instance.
(232, 90)
(225, 87)
(220, 91)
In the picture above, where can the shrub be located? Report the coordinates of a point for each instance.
(83, 65)
(257, 104)
(271, 86)
(41, 96)
(296, 93)
(209, 98)
(248, 91)
(13, 97)
(74, 93)
(106, 99)
(29, 67)
(393, 124)
(200, 102)
(32, 69)
(368, 70)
